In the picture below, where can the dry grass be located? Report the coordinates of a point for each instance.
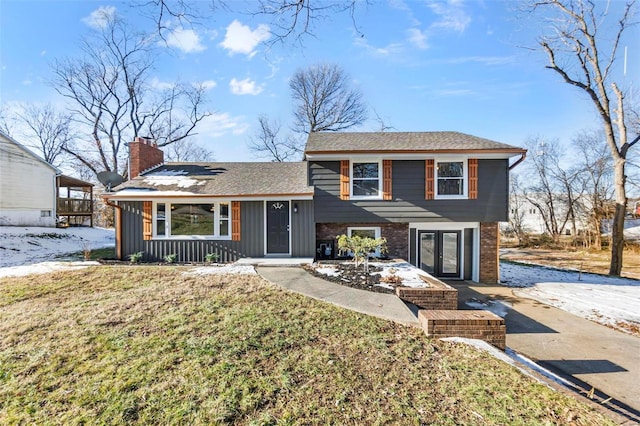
(596, 261)
(151, 345)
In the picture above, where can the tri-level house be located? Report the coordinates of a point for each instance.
(437, 197)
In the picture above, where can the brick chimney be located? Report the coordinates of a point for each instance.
(143, 155)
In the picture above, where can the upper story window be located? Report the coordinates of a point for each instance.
(365, 178)
(191, 220)
(450, 179)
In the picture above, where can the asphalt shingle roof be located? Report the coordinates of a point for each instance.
(324, 142)
(225, 179)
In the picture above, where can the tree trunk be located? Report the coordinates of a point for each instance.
(617, 228)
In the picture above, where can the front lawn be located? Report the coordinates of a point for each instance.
(154, 345)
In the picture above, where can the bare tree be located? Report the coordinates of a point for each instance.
(324, 100)
(51, 128)
(291, 19)
(595, 161)
(185, 150)
(583, 54)
(296, 18)
(112, 100)
(5, 120)
(268, 142)
(517, 213)
(552, 189)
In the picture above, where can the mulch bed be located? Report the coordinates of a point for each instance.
(352, 277)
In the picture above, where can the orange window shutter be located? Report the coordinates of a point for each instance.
(147, 220)
(429, 192)
(386, 180)
(235, 220)
(473, 178)
(344, 180)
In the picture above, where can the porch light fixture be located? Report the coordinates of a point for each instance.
(295, 207)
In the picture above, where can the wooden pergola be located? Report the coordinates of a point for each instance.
(74, 198)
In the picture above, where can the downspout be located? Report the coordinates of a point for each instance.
(118, 217)
(523, 155)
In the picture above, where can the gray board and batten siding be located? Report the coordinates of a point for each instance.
(251, 243)
(408, 203)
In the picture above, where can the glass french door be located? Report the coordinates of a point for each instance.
(439, 253)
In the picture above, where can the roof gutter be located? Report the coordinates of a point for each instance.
(523, 155)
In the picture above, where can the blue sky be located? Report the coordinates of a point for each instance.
(421, 65)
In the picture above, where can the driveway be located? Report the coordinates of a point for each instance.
(590, 354)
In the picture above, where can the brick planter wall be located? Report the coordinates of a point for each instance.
(483, 325)
(489, 245)
(434, 298)
(397, 235)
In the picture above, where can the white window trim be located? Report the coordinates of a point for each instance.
(380, 177)
(376, 229)
(167, 219)
(465, 178)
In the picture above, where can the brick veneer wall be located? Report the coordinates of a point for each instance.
(489, 245)
(472, 324)
(397, 235)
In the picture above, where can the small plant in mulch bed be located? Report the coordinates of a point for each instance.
(212, 257)
(136, 257)
(171, 258)
(350, 276)
(391, 279)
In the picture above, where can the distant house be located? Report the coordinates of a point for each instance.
(35, 193)
(27, 186)
(437, 197)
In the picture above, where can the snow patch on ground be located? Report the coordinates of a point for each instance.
(23, 246)
(611, 301)
(409, 274)
(43, 268)
(223, 270)
(498, 307)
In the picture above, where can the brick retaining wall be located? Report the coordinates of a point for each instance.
(437, 298)
(473, 324)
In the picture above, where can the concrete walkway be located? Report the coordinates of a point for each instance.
(381, 305)
(589, 354)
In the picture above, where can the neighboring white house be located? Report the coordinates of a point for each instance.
(27, 186)
(526, 214)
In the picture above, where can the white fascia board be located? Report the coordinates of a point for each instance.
(168, 196)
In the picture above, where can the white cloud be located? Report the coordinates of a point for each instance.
(27, 82)
(388, 50)
(156, 83)
(99, 18)
(241, 39)
(208, 84)
(186, 40)
(418, 38)
(220, 124)
(451, 15)
(244, 87)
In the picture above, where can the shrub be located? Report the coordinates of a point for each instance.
(360, 248)
(212, 257)
(136, 257)
(171, 258)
